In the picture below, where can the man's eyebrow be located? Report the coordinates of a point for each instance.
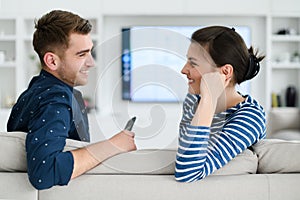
(84, 51)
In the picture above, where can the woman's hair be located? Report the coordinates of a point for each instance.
(226, 46)
(53, 31)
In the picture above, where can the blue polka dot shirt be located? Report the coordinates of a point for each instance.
(50, 111)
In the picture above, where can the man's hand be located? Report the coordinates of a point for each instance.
(124, 141)
(92, 155)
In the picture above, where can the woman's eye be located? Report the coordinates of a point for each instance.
(194, 64)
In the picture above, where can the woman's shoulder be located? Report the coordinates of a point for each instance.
(251, 102)
(250, 107)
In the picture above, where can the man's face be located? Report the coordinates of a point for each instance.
(77, 60)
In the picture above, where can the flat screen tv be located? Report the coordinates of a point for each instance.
(152, 58)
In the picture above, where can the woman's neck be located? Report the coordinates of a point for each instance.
(228, 99)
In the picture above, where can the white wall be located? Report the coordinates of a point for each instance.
(170, 114)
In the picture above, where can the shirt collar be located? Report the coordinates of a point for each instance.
(44, 73)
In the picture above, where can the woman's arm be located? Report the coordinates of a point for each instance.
(198, 155)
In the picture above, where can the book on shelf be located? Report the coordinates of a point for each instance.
(276, 100)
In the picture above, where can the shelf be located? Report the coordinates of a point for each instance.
(286, 38)
(10, 64)
(27, 38)
(286, 65)
(7, 37)
(283, 72)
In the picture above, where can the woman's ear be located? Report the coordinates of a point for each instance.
(51, 60)
(227, 70)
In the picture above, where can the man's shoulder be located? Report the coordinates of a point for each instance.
(44, 91)
(44, 85)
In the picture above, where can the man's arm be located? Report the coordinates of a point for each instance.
(92, 155)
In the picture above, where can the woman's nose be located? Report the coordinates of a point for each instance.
(184, 70)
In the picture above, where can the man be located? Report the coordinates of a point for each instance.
(51, 110)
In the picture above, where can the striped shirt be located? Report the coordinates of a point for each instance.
(202, 150)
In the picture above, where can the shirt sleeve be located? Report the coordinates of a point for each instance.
(200, 154)
(189, 108)
(47, 164)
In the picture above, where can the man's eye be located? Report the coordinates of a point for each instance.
(81, 55)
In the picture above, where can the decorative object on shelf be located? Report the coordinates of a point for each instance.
(9, 101)
(34, 59)
(296, 57)
(2, 57)
(285, 57)
(286, 31)
(88, 104)
(291, 96)
(274, 100)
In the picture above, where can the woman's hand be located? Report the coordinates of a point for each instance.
(212, 85)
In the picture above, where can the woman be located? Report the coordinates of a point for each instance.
(218, 122)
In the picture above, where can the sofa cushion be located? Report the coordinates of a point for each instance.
(287, 134)
(12, 151)
(244, 163)
(147, 161)
(283, 118)
(278, 156)
(162, 161)
(13, 154)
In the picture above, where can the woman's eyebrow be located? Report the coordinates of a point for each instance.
(191, 58)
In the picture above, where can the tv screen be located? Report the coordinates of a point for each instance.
(152, 58)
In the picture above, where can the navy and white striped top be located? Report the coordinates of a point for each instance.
(202, 150)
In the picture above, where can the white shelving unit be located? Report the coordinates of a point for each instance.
(283, 68)
(8, 47)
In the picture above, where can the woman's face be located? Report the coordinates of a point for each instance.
(198, 63)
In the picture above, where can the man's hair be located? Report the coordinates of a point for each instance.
(53, 31)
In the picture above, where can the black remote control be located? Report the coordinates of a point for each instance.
(129, 124)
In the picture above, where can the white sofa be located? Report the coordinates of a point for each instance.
(284, 123)
(270, 171)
